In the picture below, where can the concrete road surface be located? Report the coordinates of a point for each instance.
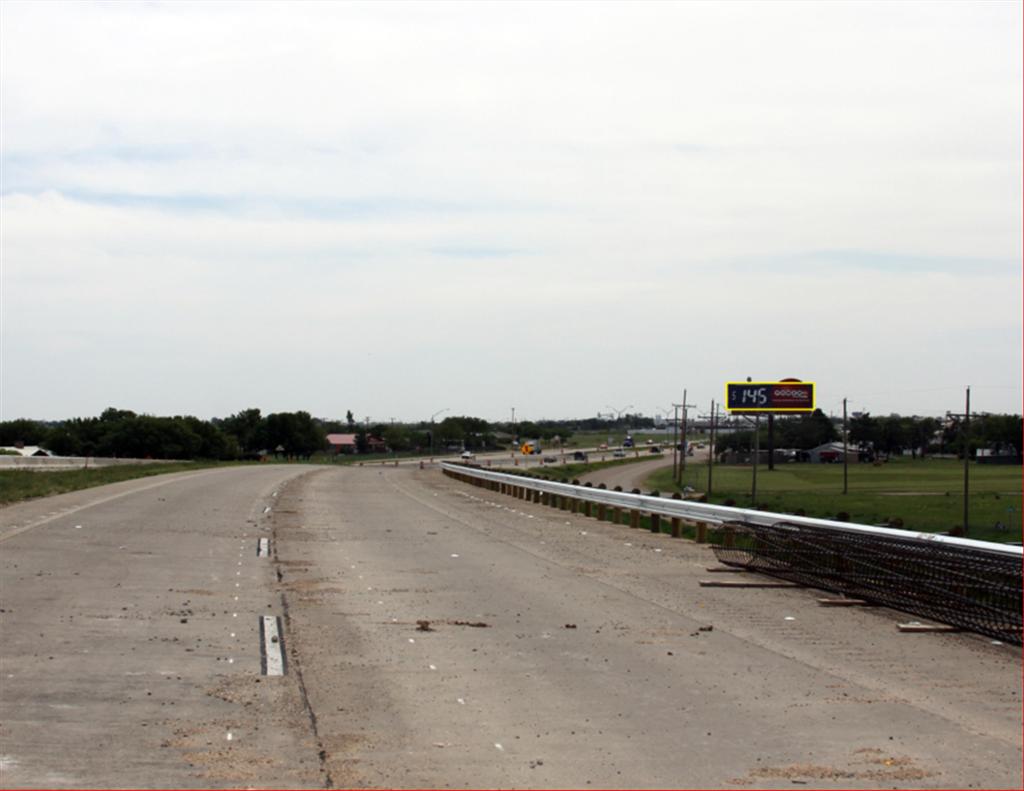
(437, 635)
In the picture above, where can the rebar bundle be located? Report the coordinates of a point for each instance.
(971, 588)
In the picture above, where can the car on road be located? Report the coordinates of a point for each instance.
(579, 456)
(468, 454)
(618, 454)
(603, 446)
(655, 449)
(550, 460)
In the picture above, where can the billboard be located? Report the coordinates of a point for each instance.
(774, 397)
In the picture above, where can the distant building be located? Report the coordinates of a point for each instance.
(346, 443)
(832, 453)
(25, 450)
(1002, 455)
(341, 443)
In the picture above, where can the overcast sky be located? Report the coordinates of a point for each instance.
(399, 208)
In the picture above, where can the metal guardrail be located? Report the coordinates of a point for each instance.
(975, 585)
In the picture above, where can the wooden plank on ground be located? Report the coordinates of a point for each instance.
(844, 603)
(927, 627)
(746, 584)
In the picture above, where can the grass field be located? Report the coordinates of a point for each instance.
(927, 495)
(16, 485)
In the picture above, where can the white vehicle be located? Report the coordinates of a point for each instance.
(468, 454)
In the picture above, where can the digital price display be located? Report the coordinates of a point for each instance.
(769, 396)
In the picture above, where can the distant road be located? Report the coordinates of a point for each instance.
(439, 635)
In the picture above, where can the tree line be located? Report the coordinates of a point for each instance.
(250, 434)
(887, 435)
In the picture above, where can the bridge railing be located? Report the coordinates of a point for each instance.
(975, 585)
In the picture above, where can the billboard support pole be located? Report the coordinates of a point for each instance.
(757, 452)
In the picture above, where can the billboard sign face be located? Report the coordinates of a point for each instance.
(776, 397)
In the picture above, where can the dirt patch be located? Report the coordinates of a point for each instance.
(884, 768)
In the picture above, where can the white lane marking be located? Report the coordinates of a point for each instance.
(432, 667)
(271, 653)
(78, 527)
(263, 548)
(499, 747)
(230, 736)
(266, 510)
(460, 701)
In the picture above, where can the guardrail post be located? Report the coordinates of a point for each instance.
(655, 523)
(536, 495)
(545, 498)
(702, 533)
(729, 537)
(634, 518)
(602, 512)
(677, 523)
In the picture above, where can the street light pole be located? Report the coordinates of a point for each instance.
(438, 412)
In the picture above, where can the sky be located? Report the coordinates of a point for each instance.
(410, 209)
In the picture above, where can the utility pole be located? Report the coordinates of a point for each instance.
(965, 433)
(967, 452)
(675, 442)
(711, 447)
(771, 442)
(682, 444)
(845, 461)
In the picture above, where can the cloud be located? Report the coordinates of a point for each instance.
(543, 202)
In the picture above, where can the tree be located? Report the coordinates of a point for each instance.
(244, 426)
(864, 432)
(29, 432)
(892, 436)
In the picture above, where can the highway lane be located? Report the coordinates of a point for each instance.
(129, 654)
(438, 635)
(602, 662)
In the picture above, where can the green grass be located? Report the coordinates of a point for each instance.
(927, 495)
(17, 485)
